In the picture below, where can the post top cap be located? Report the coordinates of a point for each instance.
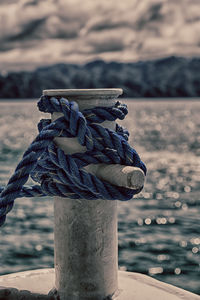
(107, 92)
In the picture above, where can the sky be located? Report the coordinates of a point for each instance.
(43, 32)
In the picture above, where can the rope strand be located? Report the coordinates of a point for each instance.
(63, 175)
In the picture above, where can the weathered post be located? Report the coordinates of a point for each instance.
(86, 260)
(86, 263)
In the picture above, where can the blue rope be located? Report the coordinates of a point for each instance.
(63, 175)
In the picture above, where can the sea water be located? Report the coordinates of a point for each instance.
(159, 230)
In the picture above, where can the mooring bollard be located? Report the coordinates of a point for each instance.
(86, 259)
(86, 262)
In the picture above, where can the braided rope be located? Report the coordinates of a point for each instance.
(63, 175)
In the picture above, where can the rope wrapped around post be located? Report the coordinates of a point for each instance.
(64, 175)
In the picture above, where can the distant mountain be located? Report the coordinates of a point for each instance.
(167, 77)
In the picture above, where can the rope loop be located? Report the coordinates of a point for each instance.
(58, 174)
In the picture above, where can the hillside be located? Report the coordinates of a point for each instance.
(167, 77)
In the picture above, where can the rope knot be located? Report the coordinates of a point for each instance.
(64, 175)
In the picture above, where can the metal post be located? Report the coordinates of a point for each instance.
(86, 259)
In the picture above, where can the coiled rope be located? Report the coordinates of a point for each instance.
(63, 175)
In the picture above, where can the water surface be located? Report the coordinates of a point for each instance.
(159, 230)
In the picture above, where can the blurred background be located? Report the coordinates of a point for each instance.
(151, 49)
(73, 44)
